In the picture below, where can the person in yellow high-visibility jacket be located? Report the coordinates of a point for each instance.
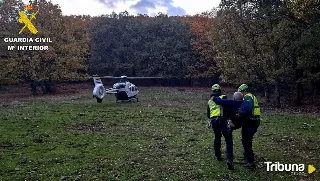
(250, 114)
(219, 125)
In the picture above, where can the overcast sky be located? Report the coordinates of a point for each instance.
(150, 7)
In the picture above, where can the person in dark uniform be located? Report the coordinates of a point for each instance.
(219, 125)
(250, 114)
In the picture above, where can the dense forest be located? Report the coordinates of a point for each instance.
(271, 44)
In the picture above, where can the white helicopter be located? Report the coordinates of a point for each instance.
(123, 90)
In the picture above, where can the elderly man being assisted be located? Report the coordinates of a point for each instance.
(230, 109)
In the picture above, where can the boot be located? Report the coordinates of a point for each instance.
(250, 165)
(230, 166)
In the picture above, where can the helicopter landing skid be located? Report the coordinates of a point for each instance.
(128, 100)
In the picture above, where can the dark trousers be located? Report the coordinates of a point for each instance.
(247, 138)
(219, 126)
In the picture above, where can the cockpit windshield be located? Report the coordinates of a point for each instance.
(123, 79)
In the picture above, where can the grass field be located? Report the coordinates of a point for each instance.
(162, 137)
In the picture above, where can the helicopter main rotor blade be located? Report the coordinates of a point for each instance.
(111, 77)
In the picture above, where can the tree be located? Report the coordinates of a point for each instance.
(8, 15)
(269, 43)
(256, 36)
(140, 46)
(202, 45)
(304, 50)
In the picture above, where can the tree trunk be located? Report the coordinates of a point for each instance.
(298, 98)
(212, 81)
(277, 78)
(41, 83)
(47, 85)
(315, 84)
(267, 92)
(299, 87)
(300, 94)
(277, 92)
(33, 87)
